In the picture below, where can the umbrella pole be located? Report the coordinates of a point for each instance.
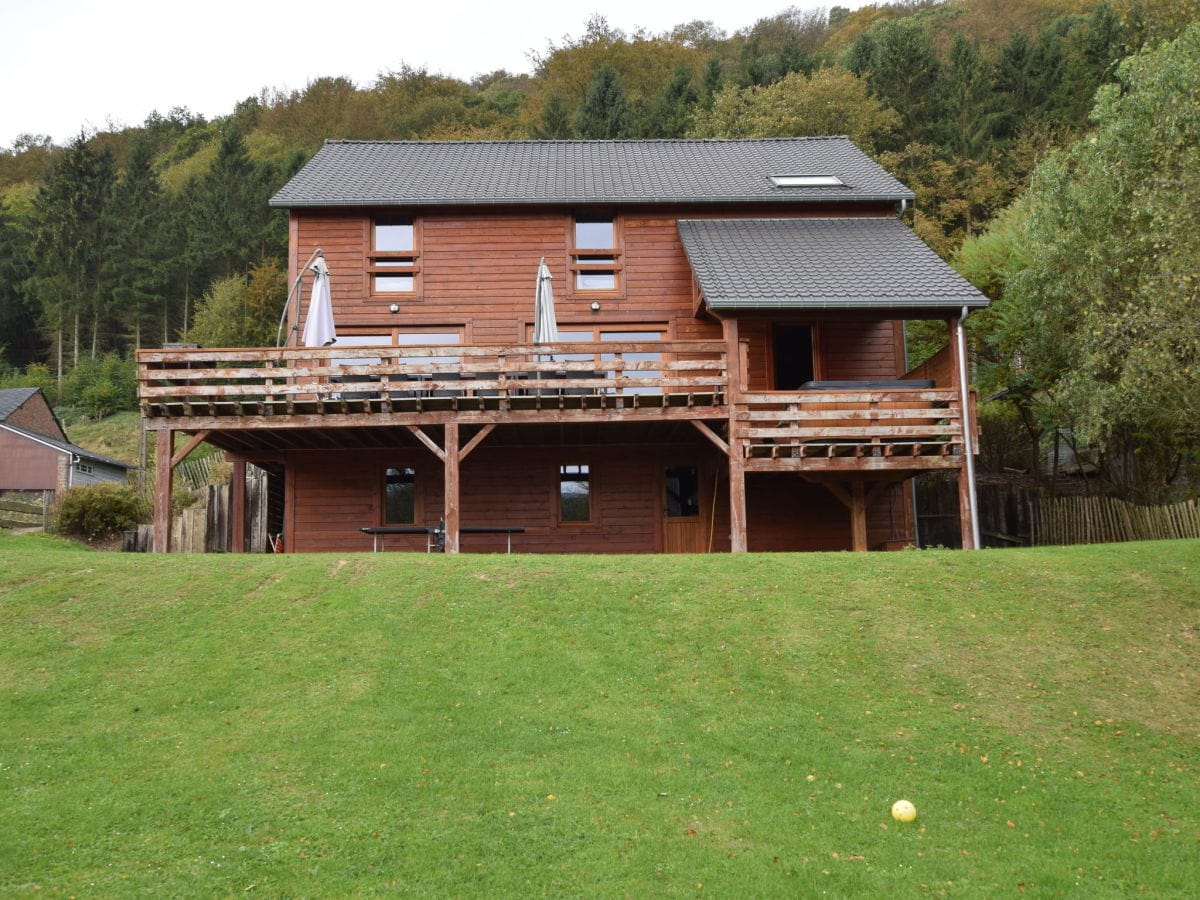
(288, 303)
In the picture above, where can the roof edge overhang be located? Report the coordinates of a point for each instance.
(759, 304)
(747, 200)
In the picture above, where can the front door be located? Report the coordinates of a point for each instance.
(683, 527)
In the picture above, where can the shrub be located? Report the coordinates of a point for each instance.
(99, 510)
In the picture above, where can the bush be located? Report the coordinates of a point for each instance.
(99, 510)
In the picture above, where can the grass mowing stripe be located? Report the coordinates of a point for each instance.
(582, 725)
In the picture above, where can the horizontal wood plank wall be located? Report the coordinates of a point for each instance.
(859, 350)
(338, 492)
(478, 269)
(787, 513)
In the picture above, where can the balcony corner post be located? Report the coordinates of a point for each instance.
(163, 471)
(452, 465)
(738, 542)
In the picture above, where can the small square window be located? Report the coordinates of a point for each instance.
(574, 493)
(393, 237)
(394, 284)
(595, 234)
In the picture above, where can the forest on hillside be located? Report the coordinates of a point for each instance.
(985, 108)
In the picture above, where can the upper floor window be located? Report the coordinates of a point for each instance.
(393, 264)
(595, 253)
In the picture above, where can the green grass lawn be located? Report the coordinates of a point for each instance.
(492, 725)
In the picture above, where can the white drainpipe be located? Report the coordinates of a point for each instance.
(968, 435)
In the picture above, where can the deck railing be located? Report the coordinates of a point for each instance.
(883, 424)
(242, 379)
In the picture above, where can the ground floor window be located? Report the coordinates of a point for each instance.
(682, 492)
(400, 496)
(574, 493)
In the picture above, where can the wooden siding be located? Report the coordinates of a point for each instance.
(335, 493)
(477, 271)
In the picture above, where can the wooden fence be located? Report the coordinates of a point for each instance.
(26, 511)
(1103, 520)
(208, 528)
(1011, 516)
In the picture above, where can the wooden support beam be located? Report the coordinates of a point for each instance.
(237, 506)
(451, 460)
(428, 441)
(475, 442)
(164, 445)
(858, 516)
(965, 518)
(738, 529)
(840, 492)
(195, 441)
(711, 435)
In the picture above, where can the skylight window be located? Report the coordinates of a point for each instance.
(792, 181)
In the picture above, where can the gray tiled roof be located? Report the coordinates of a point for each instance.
(421, 173)
(846, 263)
(11, 400)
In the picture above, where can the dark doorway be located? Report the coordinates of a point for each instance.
(793, 349)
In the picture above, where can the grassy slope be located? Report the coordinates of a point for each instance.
(530, 725)
(117, 435)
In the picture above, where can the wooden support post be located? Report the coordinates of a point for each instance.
(451, 461)
(163, 450)
(237, 504)
(965, 519)
(738, 540)
(858, 516)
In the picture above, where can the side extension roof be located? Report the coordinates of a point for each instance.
(844, 263)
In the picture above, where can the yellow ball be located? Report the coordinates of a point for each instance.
(903, 811)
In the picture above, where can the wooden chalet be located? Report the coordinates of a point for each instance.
(728, 375)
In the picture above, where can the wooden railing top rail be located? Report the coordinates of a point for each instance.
(530, 352)
(587, 367)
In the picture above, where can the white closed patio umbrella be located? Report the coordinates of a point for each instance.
(545, 326)
(318, 323)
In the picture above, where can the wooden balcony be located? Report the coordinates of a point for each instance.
(281, 389)
(850, 430)
(328, 387)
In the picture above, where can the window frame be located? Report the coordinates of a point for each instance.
(417, 510)
(592, 510)
(378, 263)
(596, 260)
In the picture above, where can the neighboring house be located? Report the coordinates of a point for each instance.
(35, 454)
(729, 370)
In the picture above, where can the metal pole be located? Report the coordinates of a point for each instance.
(292, 293)
(968, 435)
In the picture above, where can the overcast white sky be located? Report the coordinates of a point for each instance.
(72, 64)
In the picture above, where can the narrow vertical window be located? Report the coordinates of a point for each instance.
(393, 259)
(400, 497)
(574, 493)
(595, 253)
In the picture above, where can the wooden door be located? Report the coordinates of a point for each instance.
(683, 526)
